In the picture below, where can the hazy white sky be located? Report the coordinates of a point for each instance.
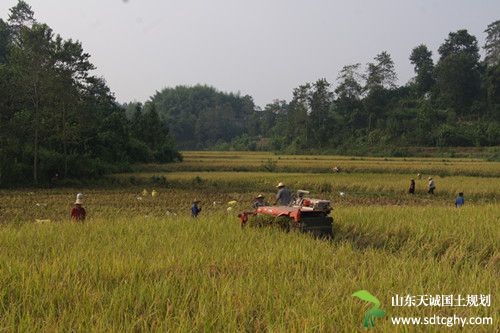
(264, 48)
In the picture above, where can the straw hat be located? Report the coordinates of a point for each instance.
(260, 196)
(79, 199)
(196, 201)
(430, 178)
(281, 185)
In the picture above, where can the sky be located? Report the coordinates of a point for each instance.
(263, 48)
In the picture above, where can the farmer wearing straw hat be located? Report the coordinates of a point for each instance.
(259, 202)
(284, 196)
(195, 210)
(431, 186)
(78, 213)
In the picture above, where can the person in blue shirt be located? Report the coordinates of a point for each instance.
(195, 210)
(460, 201)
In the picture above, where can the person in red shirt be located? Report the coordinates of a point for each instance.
(78, 213)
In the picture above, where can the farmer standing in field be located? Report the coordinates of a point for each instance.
(431, 186)
(195, 210)
(284, 196)
(78, 213)
(460, 201)
(412, 186)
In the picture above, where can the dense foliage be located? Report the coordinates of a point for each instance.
(453, 102)
(59, 121)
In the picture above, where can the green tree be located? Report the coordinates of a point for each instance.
(4, 40)
(457, 72)
(492, 83)
(196, 109)
(421, 58)
(492, 45)
(20, 16)
(33, 63)
(349, 91)
(381, 73)
(380, 77)
(492, 75)
(57, 118)
(298, 118)
(320, 99)
(350, 85)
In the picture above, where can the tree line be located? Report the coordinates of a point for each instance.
(452, 102)
(57, 119)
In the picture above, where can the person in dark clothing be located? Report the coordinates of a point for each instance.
(195, 209)
(78, 213)
(412, 186)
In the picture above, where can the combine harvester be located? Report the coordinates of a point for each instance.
(303, 214)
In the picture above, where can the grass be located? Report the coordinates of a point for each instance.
(143, 264)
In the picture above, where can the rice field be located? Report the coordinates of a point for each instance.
(141, 263)
(262, 161)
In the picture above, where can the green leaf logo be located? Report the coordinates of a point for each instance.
(374, 312)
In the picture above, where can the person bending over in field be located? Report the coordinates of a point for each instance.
(284, 196)
(412, 186)
(259, 202)
(78, 213)
(431, 186)
(195, 209)
(460, 201)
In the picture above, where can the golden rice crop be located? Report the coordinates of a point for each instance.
(141, 263)
(347, 182)
(238, 161)
(134, 273)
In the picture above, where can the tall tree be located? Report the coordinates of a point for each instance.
(320, 100)
(20, 16)
(4, 40)
(492, 76)
(380, 78)
(492, 45)
(381, 73)
(421, 58)
(349, 93)
(298, 118)
(459, 43)
(33, 63)
(457, 72)
(72, 67)
(350, 86)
